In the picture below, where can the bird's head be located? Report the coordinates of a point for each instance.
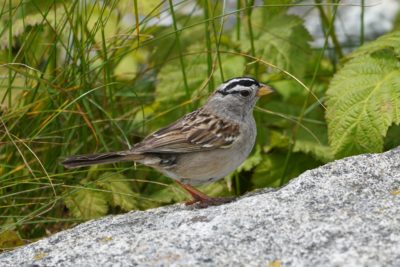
(238, 95)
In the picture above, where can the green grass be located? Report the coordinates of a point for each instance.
(83, 77)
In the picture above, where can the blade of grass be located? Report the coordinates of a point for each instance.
(178, 44)
(209, 48)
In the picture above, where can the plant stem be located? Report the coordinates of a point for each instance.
(362, 22)
(217, 39)
(137, 21)
(238, 7)
(178, 43)
(332, 33)
(209, 48)
(10, 46)
(249, 5)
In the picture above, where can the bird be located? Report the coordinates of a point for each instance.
(201, 147)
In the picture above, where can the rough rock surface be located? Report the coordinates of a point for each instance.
(346, 213)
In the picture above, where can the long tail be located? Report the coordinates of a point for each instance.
(110, 157)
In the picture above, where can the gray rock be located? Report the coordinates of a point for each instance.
(346, 213)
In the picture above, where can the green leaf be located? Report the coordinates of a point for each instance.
(122, 194)
(363, 100)
(277, 140)
(389, 41)
(283, 41)
(216, 189)
(10, 239)
(171, 194)
(87, 204)
(313, 145)
(318, 151)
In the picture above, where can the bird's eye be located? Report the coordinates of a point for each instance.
(245, 93)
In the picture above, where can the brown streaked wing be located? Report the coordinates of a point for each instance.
(196, 131)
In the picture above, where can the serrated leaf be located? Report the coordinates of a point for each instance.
(389, 41)
(87, 204)
(305, 143)
(283, 41)
(318, 151)
(363, 100)
(122, 194)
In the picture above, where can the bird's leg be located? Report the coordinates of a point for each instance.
(196, 194)
(201, 199)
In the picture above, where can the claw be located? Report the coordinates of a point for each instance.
(211, 201)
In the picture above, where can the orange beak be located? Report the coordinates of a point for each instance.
(264, 90)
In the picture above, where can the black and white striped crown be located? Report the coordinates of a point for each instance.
(230, 86)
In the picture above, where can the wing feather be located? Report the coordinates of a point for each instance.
(196, 131)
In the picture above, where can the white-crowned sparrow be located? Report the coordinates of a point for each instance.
(201, 147)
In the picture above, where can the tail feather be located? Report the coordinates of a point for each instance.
(93, 159)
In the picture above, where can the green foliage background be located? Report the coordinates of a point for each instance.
(92, 76)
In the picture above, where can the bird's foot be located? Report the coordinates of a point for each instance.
(209, 201)
(201, 200)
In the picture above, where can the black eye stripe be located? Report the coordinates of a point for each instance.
(232, 92)
(223, 92)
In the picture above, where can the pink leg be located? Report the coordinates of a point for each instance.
(201, 199)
